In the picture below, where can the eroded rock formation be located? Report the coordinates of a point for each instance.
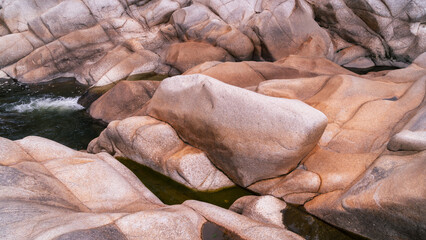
(50, 191)
(263, 101)
(100, 42)
(367, 115)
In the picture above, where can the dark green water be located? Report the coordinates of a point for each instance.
(171, 192)
(47, 110)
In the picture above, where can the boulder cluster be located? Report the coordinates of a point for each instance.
(257, 98)
(99, 42)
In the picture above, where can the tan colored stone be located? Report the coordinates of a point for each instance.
(173, 222)
(297, 187)
(240, 225)
(413, 135)
(284, 26)
(184, 56)
(198, 23)
(114, 105)
(247, 74)
(73, 196)
(299, 198)
(338, 170)
(237, 74)
(13, 47)
(299, 88)
(266, 209)
(229, 123)
(374, 196)
(66, 17)
(156, 144)
(11, 153)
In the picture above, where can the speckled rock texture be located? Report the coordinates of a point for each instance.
(263, 102)
(49, 191)
(370, 118)
(156, 144)
(100, 42)
(238, 129)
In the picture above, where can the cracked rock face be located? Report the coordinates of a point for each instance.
(100, 42)
(156, 144)
(50, 191)
(238, 129)
(378, 117)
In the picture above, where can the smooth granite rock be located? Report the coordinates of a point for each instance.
(123, 100)
(155, 144)
(238, 129)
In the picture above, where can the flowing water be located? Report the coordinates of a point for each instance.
(47, 110)
(51, 111)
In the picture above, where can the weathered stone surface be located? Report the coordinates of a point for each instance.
(288, 22)
(173, 222)
(385, 28)
(413, 135)
(240, 225)
(84, 175)
(374, 196)
(199, 23)
(184, 56)
(53, 192)
(13, 48)
(292, 187)
(11, 153)
(247, 74)
(229, 124)
(266, 209)
(123, 100)
(364, 112)
(155, 144)
(83, 36)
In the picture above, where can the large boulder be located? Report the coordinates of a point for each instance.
(155, 144)
(100, 42)
(198, 23)
(390, 190)
(50, 191)
(184, 56)
(123, 100)
(265, 209)
(284, 26)
(387, 29)
(380, 112)
(247, 74)
(239, 130)
(379, 106)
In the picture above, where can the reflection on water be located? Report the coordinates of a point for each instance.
(47, 110)
(312, 228)
(171, 192)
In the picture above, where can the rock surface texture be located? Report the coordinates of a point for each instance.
(263, 102)
(372, 119)
(238, 129)
(100, 42)
(123, 100)
(49, 191)
(156, 144)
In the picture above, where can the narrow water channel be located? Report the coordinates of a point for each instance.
(46, 110)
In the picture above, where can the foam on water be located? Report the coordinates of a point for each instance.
(46, 104)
